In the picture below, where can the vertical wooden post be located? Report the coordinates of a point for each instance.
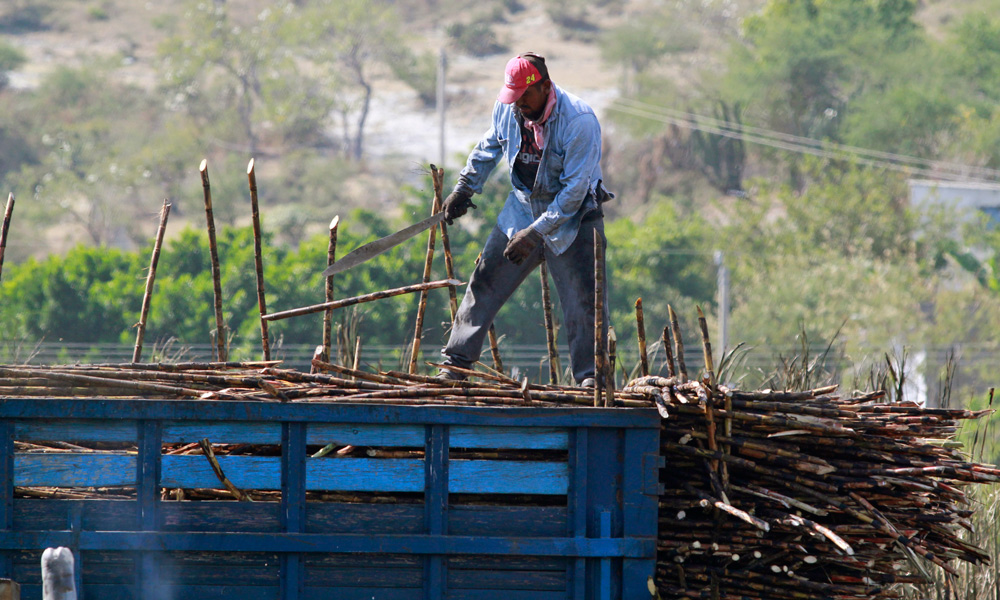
(550, 329)
(258, 259)
(640, 326)
(7, 214)
(220, 324)
(599, 351)
(428, 261)
(331, 257)
(678, 343)
(150, 278)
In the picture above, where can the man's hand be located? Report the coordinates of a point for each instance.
(522, 245)
(455, 205)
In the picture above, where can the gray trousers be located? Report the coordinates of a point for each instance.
(496, 278)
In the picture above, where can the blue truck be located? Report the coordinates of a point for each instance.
(576, 519)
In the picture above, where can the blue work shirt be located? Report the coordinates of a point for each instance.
(569, 170)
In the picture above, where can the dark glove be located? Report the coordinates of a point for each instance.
(456, 204)
(522, 245)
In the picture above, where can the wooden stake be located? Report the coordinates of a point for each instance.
(315, 308)
(599, 351)
(550, 330)
(7, 214)
(678, 343)
(258, 260)
(150, 278)
(220, 324)
(331, 257)
(418, 332)
(640, 325)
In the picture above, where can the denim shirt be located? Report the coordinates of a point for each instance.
(569, 170)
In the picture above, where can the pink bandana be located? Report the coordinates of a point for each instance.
(538, 127)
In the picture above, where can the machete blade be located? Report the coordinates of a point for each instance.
(373, 249)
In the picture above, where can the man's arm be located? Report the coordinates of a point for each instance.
(582, 155)
(483, 158)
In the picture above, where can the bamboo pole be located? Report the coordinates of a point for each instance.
(357, 353)
(258, 259)
(678, 343)
(599, 350)
(550, 330)
(315, 308)
(150, 278)
(640, 326)
(220, 324)
(418, 332)
(7, 215)
(331, 257)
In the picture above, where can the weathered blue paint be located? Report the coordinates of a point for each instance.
(599, 544)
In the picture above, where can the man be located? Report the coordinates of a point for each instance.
(552, 143)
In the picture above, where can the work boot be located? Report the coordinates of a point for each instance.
(449, 375)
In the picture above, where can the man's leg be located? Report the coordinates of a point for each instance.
(491, 285)
(573, 274)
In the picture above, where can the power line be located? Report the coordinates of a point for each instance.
(802, 145)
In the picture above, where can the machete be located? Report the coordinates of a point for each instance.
(373, 249)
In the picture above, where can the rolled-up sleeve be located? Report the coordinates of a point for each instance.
(483, 158)
(582, 153)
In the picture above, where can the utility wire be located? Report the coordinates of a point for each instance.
(792, 143)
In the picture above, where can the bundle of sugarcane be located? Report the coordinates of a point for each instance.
(265, 381)
(806, 494)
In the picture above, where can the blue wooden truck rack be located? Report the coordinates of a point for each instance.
(593, 538)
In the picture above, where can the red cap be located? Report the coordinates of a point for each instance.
(518, 77)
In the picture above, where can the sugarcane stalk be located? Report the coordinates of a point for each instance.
(609, 381)
(8, 213)
(418, 332)
(437, 178)
(237, 493)
(258, 259)
(640, 326)
(678, 343)
(706, 345)
(599, 350)
(669, 352)
(357, 353)
(150, 278)
(220, 324)
(315, 308)
(331, 257)
(550, 330)
(495, 349)
(89, 380)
